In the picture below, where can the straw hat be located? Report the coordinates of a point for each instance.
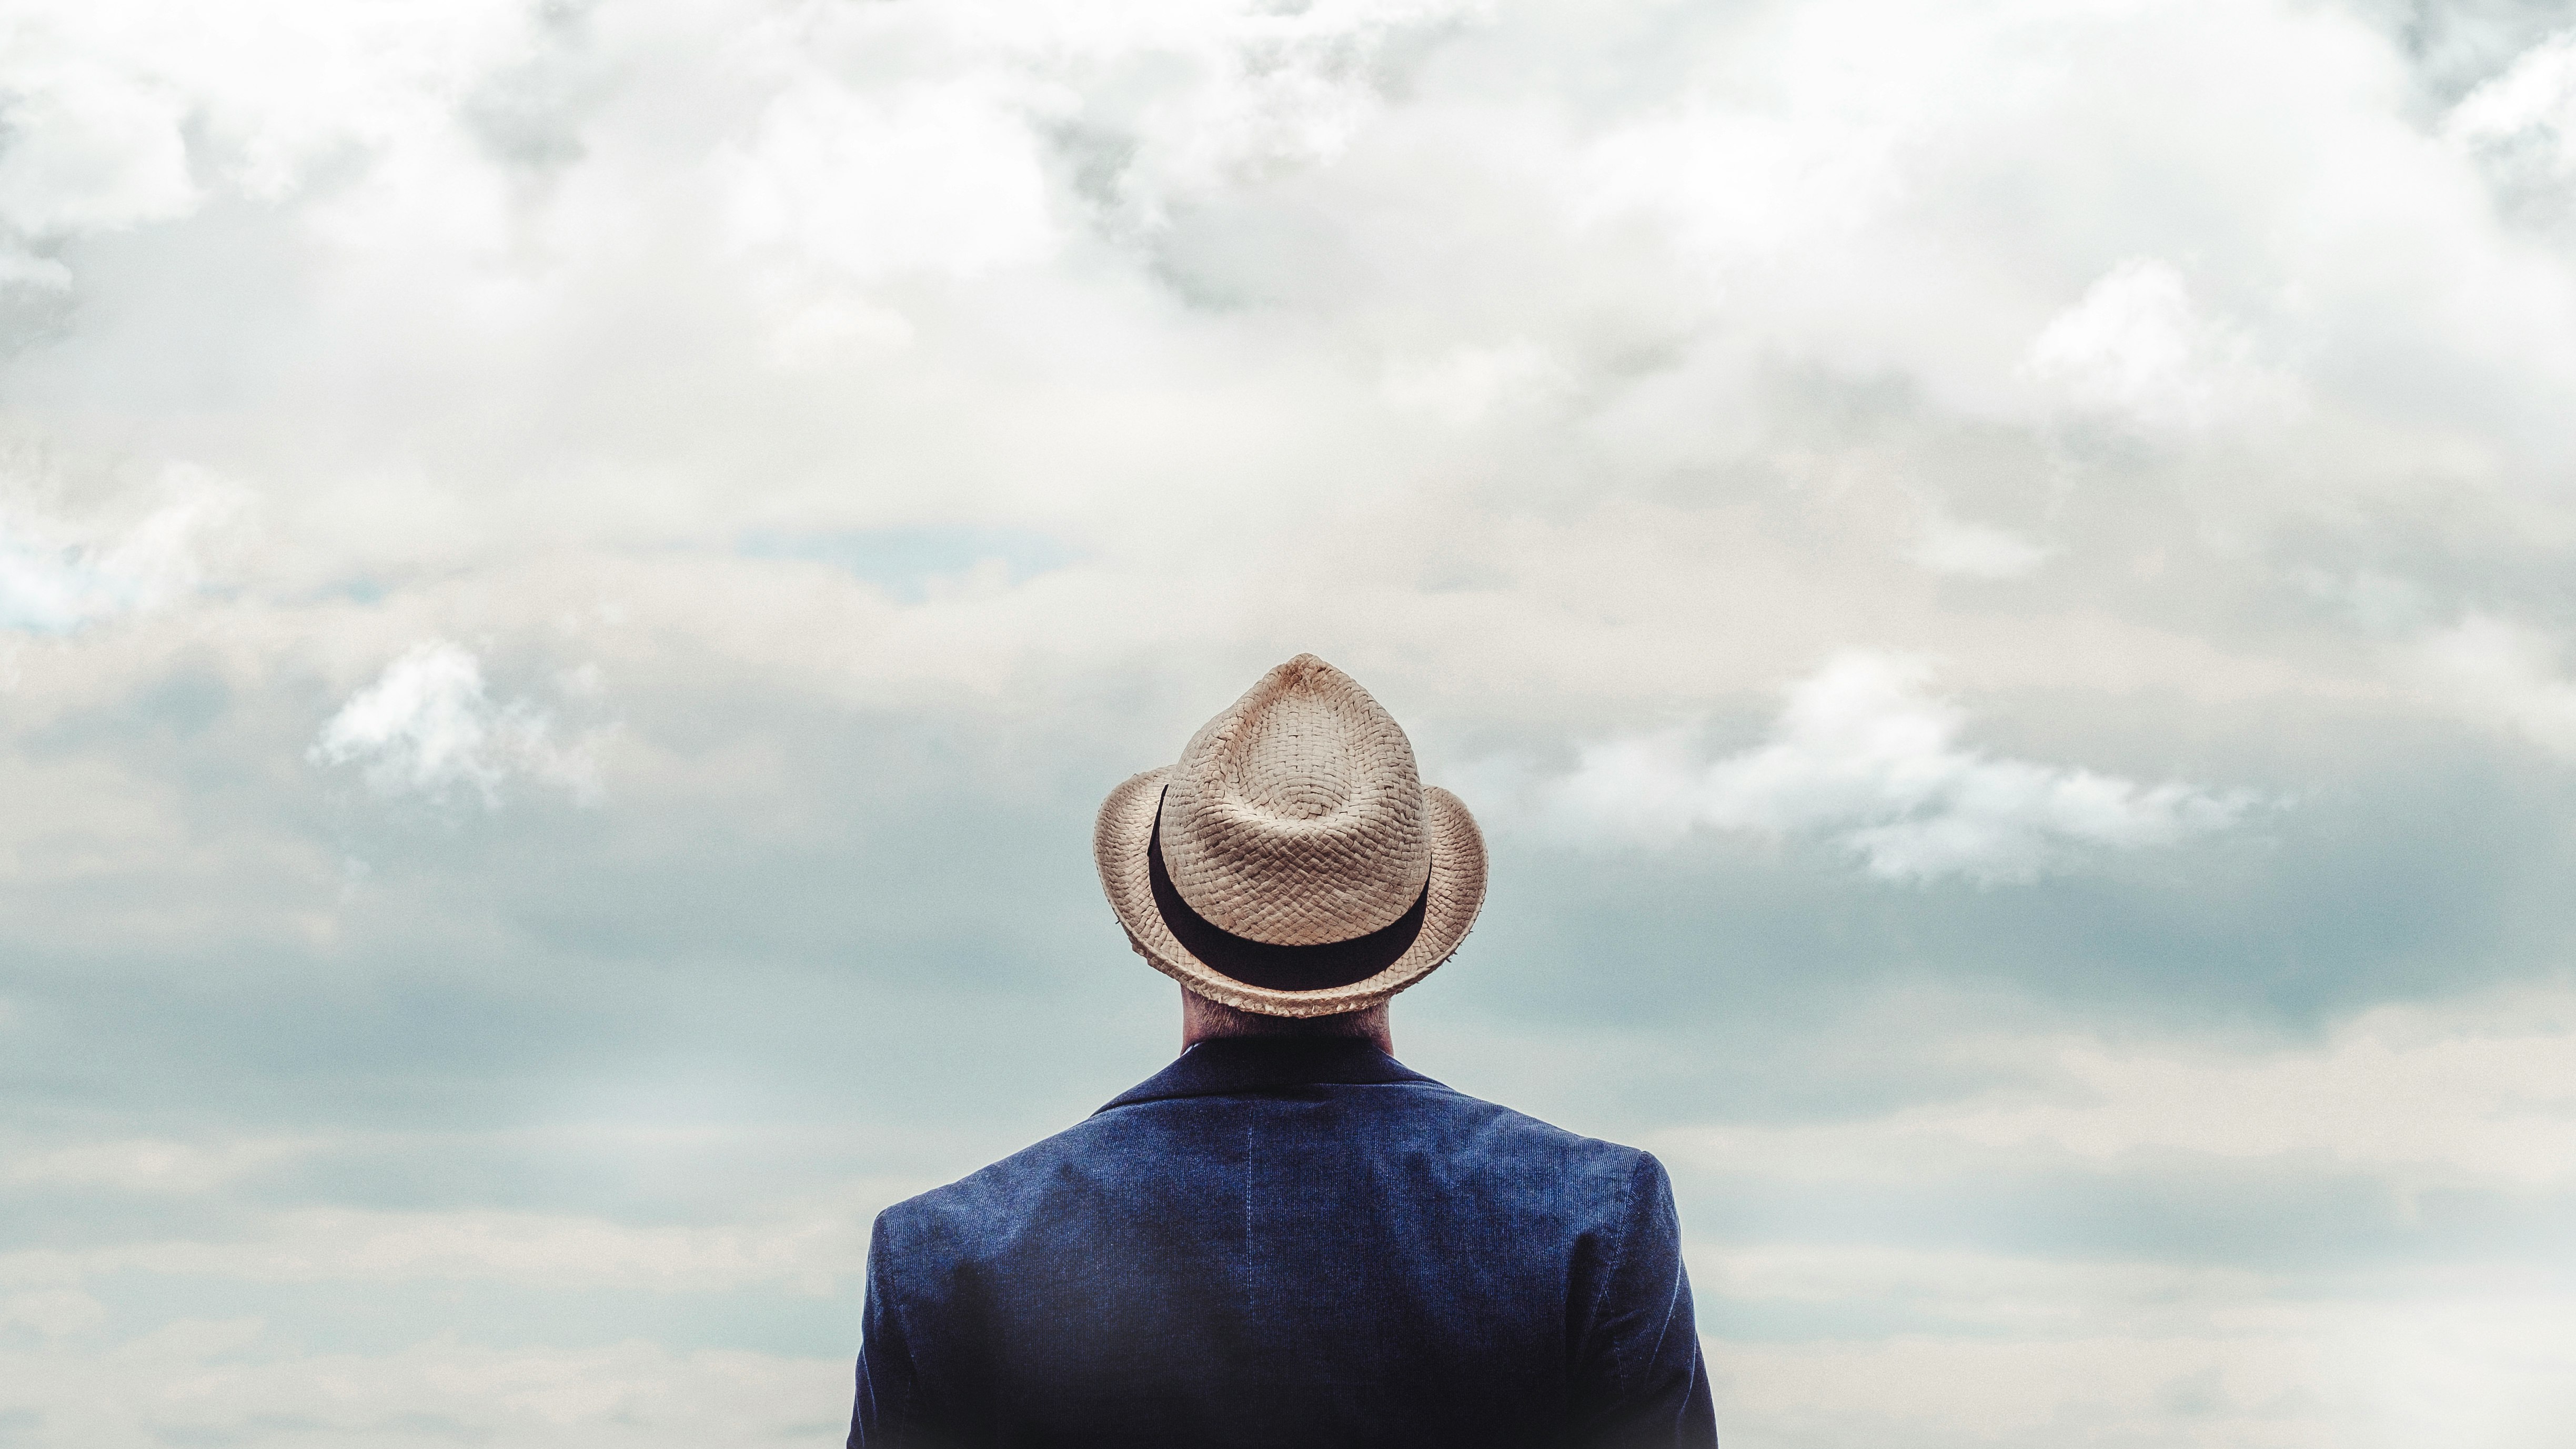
(1292, 863)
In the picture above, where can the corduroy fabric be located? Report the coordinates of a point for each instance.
(1292, 1243)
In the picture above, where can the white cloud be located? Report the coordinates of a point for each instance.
(2479, 1371)
(53, 1312)
(2476, 1096)
(427, 726)
(56, 576)
(2138, 348)
(1974, 550)
(104, 100)
(232, 1382)
(1812, 155)
(1205, 99)
(807, 1256)
(2503, 674)
(1957, 1286)
(93, 148)
(152, 1166)
(2007, 1348)
(1468, 384)
(2522, 123)
(942, 177)
(1867, 760)
(20, 268)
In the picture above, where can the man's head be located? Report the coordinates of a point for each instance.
(1292, 867)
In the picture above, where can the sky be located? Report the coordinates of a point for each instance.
(1996, 573)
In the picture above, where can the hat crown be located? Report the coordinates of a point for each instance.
(1295, 817)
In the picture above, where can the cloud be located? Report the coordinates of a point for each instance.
(2502, 674)
(1974, 550)
(919, 411)
(427, 727)
(1867, 760)
(812, 1256)
(2420, 1098)
(92, 148)
(2448, 1114)
(56, 577)
(2138, 349)
(1467, 383)
(53, 1312)
(939, 178)
(232, 1381)
(2356, 1374)
(145, 1166)
(2520, 126)
(106, 103)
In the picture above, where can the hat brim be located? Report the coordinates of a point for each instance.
(1122, 844)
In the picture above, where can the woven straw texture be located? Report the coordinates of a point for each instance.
(1295, 818)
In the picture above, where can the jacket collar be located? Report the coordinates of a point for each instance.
(1240, 1065)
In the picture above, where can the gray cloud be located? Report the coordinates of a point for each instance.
(856, 437)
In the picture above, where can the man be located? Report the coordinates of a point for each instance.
(1287, 1238)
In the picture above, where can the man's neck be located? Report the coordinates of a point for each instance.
(1205, 1020)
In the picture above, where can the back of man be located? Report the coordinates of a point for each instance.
(1288, 1241)
(1287, 1238)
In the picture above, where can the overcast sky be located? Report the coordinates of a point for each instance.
(1997, 574)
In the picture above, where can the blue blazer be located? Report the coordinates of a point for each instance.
(1293, 1242)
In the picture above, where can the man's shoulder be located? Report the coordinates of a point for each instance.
(1536, 1160)
(979, 1192)
(1427, 1117)
(1539, 1137)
